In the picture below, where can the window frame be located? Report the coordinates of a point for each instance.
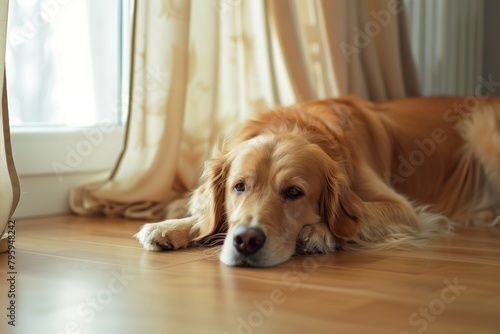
(50, 161)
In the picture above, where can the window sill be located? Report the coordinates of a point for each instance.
(65, 151)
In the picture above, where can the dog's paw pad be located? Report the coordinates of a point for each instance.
(165, 245)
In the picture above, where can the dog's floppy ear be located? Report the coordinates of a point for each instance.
(341, 208)
(207, 203)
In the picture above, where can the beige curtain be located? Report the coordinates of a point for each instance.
(9, 183)
(200, 66)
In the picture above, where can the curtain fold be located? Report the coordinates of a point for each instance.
(198, 67)
(9, 182)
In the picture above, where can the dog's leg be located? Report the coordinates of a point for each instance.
(383, 213)
(167, 235)
(390, 220)
(389, 225)
(382, 205)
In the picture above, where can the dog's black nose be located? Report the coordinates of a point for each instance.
(248, 240)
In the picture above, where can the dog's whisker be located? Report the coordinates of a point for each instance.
(215, 239)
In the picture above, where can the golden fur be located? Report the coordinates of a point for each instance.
(343, 174)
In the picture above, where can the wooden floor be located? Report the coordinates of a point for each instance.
(85, 275)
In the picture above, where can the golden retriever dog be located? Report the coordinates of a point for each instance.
(343, 174)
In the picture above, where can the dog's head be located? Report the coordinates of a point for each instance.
(264, 190)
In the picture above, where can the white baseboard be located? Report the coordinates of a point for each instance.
(43, 195)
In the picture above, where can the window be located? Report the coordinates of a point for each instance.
(63, 62)
(64, 65)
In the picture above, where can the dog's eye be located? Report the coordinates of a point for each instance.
(293, 193)
(240, 188)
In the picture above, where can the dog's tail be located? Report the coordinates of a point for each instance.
(481, 132)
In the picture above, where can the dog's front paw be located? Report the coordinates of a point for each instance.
(316, 239)
(163, 236)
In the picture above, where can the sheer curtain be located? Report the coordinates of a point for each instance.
(9, 183)
(200, 66)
